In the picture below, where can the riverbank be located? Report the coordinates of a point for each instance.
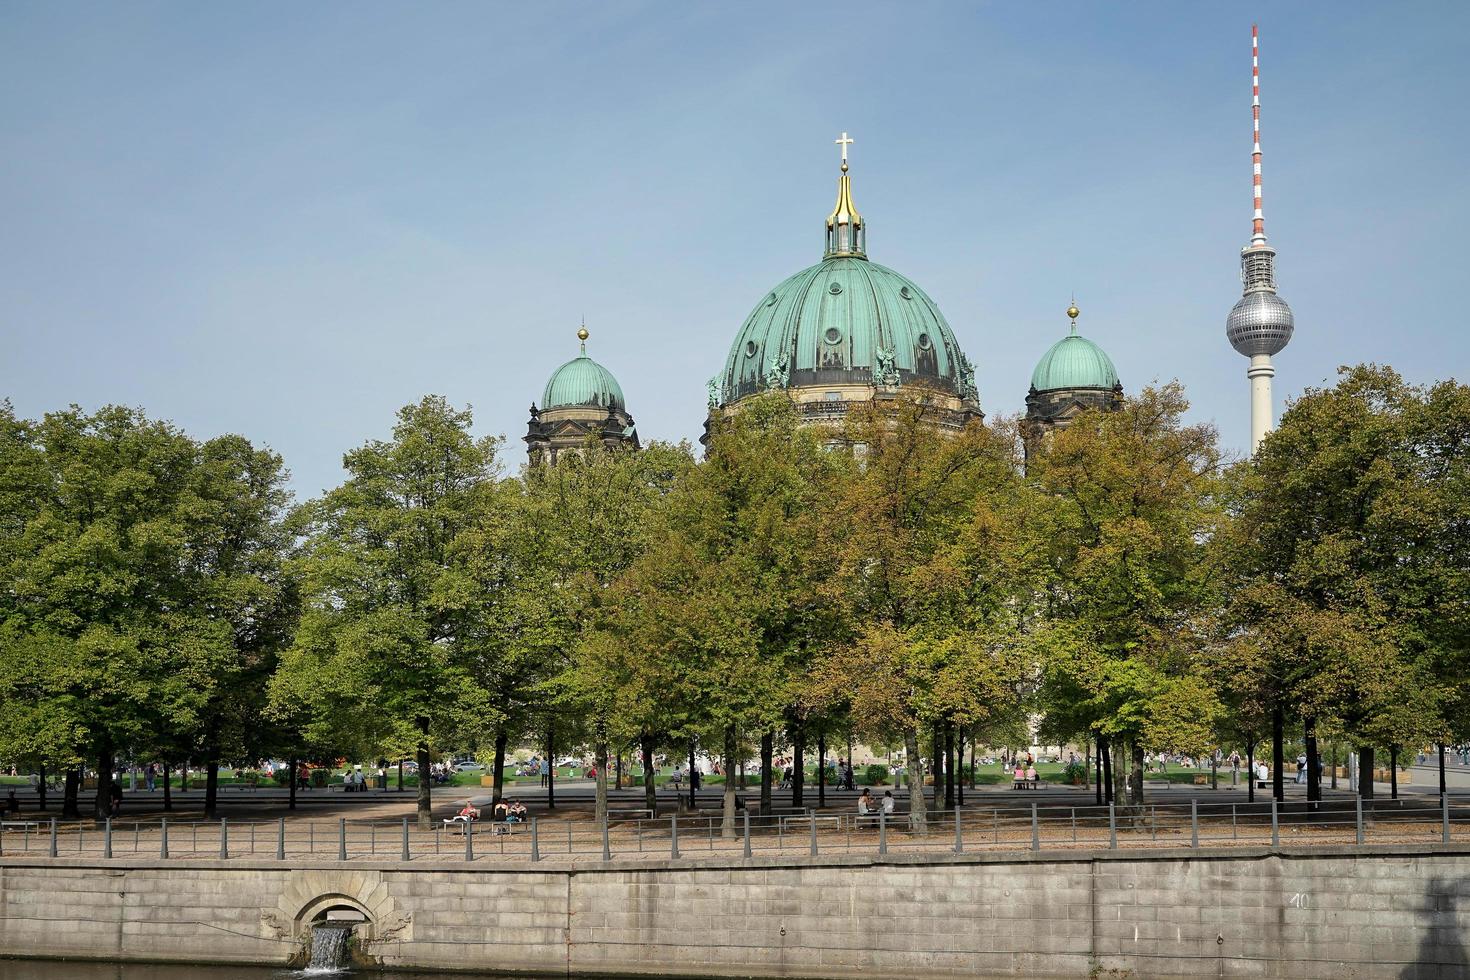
(1365, 912)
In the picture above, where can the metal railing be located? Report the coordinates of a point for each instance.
(1038, 826)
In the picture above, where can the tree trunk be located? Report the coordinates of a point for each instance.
(1214, 770)
(168, 792)
(41, 781)
(1314, 770)
(918, 822)
(102, 803)
(1278, 751)
(599, 759)
(211, 789)
(948, 766)
(400, 774)
(821, 769)
(1097, 760)
(1105, 769)
(798, 765)
(959, 778)
(184, 777)
(618, 769)
(1250, 767)
(1120, 777)
(292, 765)
(693, 778)
(1393, 772)
(550, 766)
(1365, 772)
(936, 762)
(425, 807)
(497, 775)
(1334, 763)
(650, 788)
(1441, 775)
(1136, 790)
(727, 814)
(768, 752)
(69, 807)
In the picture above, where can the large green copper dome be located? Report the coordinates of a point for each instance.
(845, 320)
(1074, 362)
(582, 382)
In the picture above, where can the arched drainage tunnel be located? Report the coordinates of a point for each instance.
(331, 930)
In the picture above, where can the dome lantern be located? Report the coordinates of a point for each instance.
(847, 233)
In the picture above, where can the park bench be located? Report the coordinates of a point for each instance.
(800, 822)
(1026, 783)
(629, 813)
(19, 824)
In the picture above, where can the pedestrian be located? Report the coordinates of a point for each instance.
(1301, 768)
(149, 776)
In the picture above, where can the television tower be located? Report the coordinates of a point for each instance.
(1260, 324)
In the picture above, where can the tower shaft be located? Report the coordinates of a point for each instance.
(1263, 412)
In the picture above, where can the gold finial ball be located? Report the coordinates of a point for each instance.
(582, 334)
(1072, 312)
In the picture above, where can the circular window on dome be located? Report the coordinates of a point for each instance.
(771, 300)
(832, 335)
(750, 348)
(924, 342)
(906, 293)
(835, 288)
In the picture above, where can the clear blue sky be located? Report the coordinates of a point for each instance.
(287, 220)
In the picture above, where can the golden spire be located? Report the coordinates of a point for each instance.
(582, 335)
(846, 235)
(1073, 313)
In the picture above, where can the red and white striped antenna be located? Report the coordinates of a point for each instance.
(1258, 222)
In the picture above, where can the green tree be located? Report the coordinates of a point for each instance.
(1126, 504)
(1346, 562)
(926, 576)
(108, 638)
(388, 634)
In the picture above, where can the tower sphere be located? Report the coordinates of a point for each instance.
(1259, 323)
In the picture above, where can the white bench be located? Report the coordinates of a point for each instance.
(19, 825)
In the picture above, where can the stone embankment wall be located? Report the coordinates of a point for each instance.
(1340, 913)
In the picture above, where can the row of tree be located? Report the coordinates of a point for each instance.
(893, 581)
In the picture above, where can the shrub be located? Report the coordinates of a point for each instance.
(1075, 773)
(319, 777)
(875, 774)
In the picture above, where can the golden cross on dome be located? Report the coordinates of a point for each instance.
(844, 141)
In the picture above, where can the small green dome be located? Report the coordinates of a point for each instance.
(582, 383)
(1074, 362)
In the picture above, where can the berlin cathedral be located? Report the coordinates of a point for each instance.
(844, 331)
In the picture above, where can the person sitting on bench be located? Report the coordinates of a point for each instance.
(470, 811)
(1018, 780)
(516, 812)
(1031, 776)
(11, 804)
(501, 812)
(865, 806)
